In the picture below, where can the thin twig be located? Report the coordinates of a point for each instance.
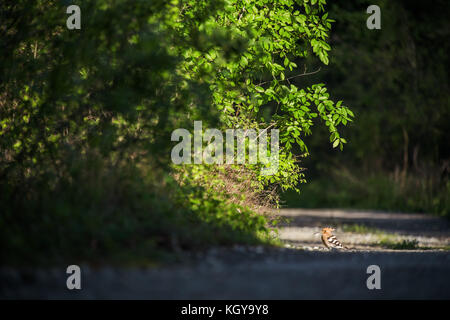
(265, 130)
(299, 75)
(35, 50)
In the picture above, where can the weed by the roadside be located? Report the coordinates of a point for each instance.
(389, 243)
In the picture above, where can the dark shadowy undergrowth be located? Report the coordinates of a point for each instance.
(378, 192)
(119, 214)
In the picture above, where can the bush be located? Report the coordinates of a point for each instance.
(86, 118)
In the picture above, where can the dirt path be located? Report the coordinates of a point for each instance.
(302, 270)
(366, 230)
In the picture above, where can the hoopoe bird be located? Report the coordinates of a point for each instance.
(329, 240)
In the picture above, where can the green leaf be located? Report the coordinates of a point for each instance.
(335, 143)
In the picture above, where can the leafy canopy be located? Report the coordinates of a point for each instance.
(134, 73)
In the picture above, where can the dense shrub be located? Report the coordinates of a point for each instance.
(86, 117)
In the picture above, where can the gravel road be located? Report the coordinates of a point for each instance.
(301, 270)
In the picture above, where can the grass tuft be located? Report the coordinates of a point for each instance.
(399, 245)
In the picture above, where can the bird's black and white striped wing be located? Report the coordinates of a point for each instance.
(333, 242)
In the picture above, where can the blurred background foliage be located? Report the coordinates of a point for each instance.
(396, 82)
